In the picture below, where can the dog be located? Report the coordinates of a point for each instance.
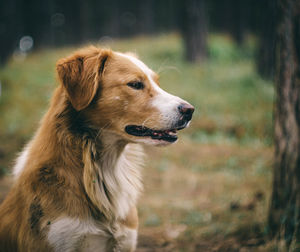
(78, 180)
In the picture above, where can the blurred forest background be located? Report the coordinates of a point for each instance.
(211, 191)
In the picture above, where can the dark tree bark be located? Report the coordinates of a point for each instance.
(113, 25)
(194, 30)
(36, 21)
(10, 27)
(238, 20)
(146, 16)
(267, 34)
(284, 215)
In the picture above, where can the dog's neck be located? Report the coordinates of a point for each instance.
(111, 174)
(111, 166)
(109, 146)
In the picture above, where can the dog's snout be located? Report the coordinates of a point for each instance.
(186, 110)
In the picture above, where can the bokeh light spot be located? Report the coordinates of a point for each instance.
(26, 43)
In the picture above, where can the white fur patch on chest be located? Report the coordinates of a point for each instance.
(112, 179)
(127, 172)
(69, 234)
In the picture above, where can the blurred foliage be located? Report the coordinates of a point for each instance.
(202, 190)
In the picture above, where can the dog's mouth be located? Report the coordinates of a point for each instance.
(162, 135)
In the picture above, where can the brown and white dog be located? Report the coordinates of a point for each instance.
(77, 181)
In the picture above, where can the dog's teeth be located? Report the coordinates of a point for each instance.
(170, 132)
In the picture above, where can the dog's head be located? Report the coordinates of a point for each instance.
(119, 93)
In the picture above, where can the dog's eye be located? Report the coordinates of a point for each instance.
(136, 85)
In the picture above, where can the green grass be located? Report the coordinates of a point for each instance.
(200, 192)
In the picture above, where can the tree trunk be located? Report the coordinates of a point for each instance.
(267, 33)
(238, 20)
(194, 30)
(10, 28)
(146, 16)
(284, 215)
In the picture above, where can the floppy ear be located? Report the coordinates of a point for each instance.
(80, 75)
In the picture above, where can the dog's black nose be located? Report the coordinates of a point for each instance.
(186, 110)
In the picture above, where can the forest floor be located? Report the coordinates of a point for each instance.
(208, 192)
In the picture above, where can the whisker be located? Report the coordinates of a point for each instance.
(147, 119)
(100, 131)
(173, 68)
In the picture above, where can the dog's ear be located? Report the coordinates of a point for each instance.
(80, 75)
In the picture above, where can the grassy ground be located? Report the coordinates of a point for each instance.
(209, 191)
